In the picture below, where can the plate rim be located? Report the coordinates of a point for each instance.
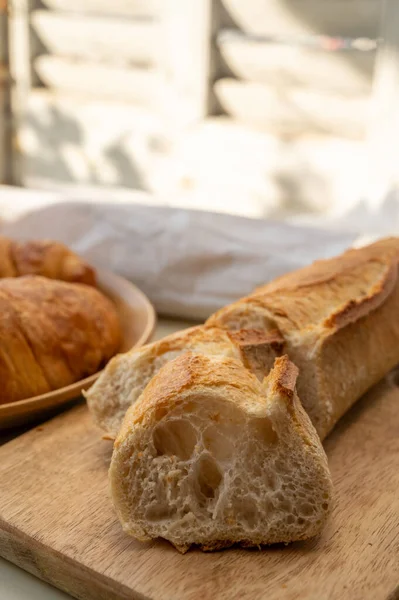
(84, 384)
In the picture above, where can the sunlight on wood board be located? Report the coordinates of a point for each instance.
(57, 522)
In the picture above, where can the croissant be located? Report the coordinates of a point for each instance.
(43, 257)
(52, 333)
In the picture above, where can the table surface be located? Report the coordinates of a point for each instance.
(16, 584)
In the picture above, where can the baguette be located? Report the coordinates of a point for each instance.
(337, 321)
(210, 456)
(127, 375)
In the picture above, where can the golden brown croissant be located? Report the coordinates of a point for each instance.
(52, 333)
(43, 257)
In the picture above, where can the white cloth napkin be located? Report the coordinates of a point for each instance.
(189, 263)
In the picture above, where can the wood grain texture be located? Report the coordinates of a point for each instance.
(57, 522)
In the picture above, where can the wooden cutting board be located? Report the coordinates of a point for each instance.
(57, 522)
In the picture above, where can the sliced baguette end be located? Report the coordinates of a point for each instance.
(209, 456)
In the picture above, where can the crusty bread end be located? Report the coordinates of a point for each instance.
(211, 456)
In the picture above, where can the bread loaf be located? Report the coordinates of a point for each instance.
(209, 455)
(43, 257)
(337, 321)
(210, 452)
(52, 334)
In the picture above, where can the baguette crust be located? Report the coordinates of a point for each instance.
(127, 375)
(327, 270)
(356, 309)
(351, 286)
(341, 312)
